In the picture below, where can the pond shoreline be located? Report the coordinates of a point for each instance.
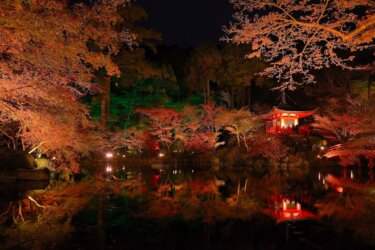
(21, 174)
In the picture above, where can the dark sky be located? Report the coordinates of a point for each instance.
(187, 22)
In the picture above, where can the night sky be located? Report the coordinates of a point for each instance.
(187, 22)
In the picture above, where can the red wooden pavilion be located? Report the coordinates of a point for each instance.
(285, 119)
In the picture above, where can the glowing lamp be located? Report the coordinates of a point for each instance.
(109, 155)
(340, 189)
(108, 169)
(161, 155)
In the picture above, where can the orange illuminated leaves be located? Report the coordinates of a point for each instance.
(46, 68)
(296, 37)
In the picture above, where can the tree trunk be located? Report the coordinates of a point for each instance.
(369, 85)
(249, 99)
(208, 91)
(233, 99)
(106, 98)
(348, 87)
(243, 97)
(251, 91)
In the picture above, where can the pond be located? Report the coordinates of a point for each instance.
(224, 210)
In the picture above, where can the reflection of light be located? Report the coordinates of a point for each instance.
(108, 169)
(291, 209)
(192, 170)
(321, 147)
(123, 168)
(161, 155)
(351, 174)
(324, 181)
(109, 155)
(319, 177)
(123, 156)
(340, 189)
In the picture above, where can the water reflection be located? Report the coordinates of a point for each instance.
(185, 207)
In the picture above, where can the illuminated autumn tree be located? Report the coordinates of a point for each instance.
(352, 130)
(164, 123)
(296, 37)
(46, 68)
(241, 123)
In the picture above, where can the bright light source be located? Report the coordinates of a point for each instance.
(109, 155)
(340, 189)
(123, 156)
(351, 174)
(322, 147)
(108, 169)
(161, 155)
(54, 158)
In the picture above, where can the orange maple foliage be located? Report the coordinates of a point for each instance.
(46, 68)
(296, 37)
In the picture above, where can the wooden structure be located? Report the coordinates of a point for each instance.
(287, 119)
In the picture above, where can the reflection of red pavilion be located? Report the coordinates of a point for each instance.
(287, 119)
(288, 210)
(291, 209)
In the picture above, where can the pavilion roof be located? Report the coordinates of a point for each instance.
(299, 113)
(288, 106)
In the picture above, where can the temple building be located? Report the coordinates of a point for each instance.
(288, 119)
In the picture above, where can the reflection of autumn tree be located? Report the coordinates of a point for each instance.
(44, 73)
(298, 36)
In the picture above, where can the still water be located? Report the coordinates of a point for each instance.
(120, 222)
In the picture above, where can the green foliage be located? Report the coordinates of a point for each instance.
(196, 100)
